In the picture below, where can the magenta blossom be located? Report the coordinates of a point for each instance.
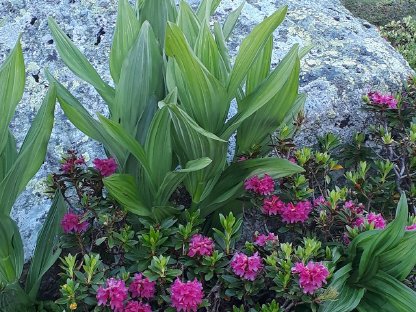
(272, 205)
(142, 287)
(134, 306)
(246, 267)
(261, 240)
(357, 209)
(384, 100)
(71, 223)
(106, 167)
(292, 213)
(321, 201)
(69, 164)
(376, 220)
(411, 227)
(186, 296)
(260, 186)
(200, 246)
(312, 276)
(116, 292)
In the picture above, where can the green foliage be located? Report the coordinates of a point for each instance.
(402, 35)
(181, 105)
(375, 269)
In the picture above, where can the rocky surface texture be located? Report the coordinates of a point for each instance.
(349, 58)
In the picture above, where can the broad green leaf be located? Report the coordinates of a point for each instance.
(11, 251)
(31, 155)
(14, 299)
(208, 53)
(385, 240)
(8, 157)
(222, 46)
(158, 13)
(251, 47)
(231, 21)
(261, 67)
(374, 302)
(230, 184)
(206, 8)
(125, 34)
(188, 23)
(201, 94)
(81, 119)
(287, 70)
(348, 297)
(140, 86)
(79, 64)
(396, 294)
(46, 251)
(12, 84)
(159, 145)
(173, 179)
(125, 190)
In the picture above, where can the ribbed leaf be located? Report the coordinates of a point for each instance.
(47, 250)
(348, 297)
(8, 157)
(251, 47)
(201, 94)
(31, 155)
(81, 119)
(231, 21)
(125, 190)
(230, 184)
(206, 8)
(79, 64)
(188, 23)
(287, 70)
(12, 83)
(14, 299)
(173, 179)
(141, 85)
(11, 251)
(125, 34)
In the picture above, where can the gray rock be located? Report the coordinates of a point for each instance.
(349, 58)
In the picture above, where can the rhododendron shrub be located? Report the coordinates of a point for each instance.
(311, 276)
(186, 296)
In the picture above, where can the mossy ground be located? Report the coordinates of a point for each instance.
(381, 12)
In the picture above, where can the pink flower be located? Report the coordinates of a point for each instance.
(376, 220)
(293, 160)
(142, 287)
(386, 100)
(69, 164)
(246, 267)
(186, 296)
(357, 209)
(106, 167)
(200, 246)
(116, 292)
(134, 306)
(263, 186)
(296, 213)
(312, 276)
(411, 227)
(321, 201)
(71, 223)
(262, 239)
(272, 205)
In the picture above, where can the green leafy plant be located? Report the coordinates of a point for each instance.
(16, 169)
(177, 99)
(378, 260)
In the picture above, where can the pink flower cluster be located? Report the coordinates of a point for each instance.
(71, 162)
(321, 201)
(246, 267)
(135, 306)
(115, 292)
(261, 240)
(106, 167)
(142, 287)
(385, 100)
(200, 246)
(411, 227)
(290, 213)
(312, 276)
(376, 220)
(186, 296)
(71, 223)
(354, 208)
(260, 186)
